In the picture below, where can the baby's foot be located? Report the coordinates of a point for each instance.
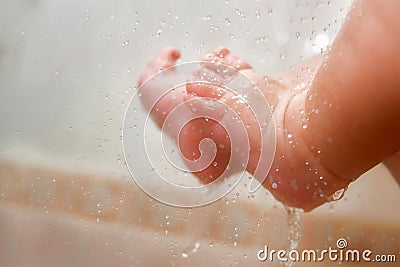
(194, 131)
(296, 177)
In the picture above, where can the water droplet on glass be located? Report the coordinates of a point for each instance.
(290, 136)
(191, 250)
(208, 17)
(338, 194)
(321, 43)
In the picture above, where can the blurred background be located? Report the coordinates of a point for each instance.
(68, 70)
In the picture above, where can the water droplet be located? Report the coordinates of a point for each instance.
(294, 224)
(321, 43)
(208, 17)
(274, 185)
(262, 39)
(184, 255)
(338, 194)
(290, 136)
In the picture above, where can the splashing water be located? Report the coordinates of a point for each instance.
(294, 224)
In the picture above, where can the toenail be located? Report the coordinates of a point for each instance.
(174, 54)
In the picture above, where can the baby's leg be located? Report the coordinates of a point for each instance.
(348, 120)
(353, 104)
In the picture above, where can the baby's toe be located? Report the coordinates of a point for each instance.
(221, 58)
(156, 95)
(164, 59)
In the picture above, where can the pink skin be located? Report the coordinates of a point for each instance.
(194, 131)
(292, 178)
(330, 129)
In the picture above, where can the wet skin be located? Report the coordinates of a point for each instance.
(333, 122)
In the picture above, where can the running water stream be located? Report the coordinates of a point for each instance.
(294, 234)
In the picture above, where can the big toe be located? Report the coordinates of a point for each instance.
(164, 59)
(156, 91)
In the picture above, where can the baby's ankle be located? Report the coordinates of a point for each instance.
(315, 183)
